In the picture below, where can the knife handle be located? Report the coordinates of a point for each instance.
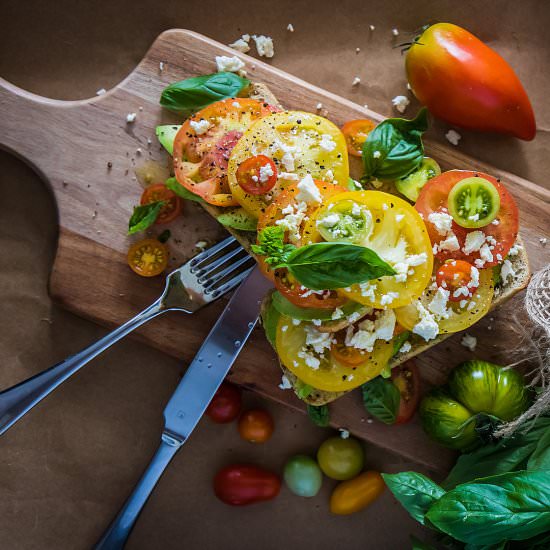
(116, 535)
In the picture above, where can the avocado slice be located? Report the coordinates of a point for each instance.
(238, 218)
(166, 135)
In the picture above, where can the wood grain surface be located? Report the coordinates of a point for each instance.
(72, 147)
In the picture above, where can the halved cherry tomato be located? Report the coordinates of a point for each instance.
(225, 405)
(503, 229)
(257, 175)
(242, 484)
(457, 274)
(301, 296)
(148, 257)
(356, 132)
(159, 192)
(407, 380)
(256, 426)
(200, 159)
(346, 355)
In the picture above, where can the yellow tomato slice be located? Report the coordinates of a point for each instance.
(299, 143)
(460, 318)
(398, 235)
(331, 375)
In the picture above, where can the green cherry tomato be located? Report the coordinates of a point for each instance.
(484, 387)
(341, 459)
(474, 202)
(303, 476)
(345, 221)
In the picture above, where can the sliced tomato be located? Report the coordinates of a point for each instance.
(201, 155)
(407, 380)
(460, 278)
(502, 232)
(356, 132)
(148, 257)
(159, 192)
(257, 175)
(299, 144)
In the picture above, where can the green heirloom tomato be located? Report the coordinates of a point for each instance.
(477, 391)
(303, 476)
(341, 459)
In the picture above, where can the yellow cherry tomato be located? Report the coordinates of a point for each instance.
(298, 143)
(148, 257)
(355, 494)
(397, 234)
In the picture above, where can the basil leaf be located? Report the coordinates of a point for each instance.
(303, 390)
(271, 244)
(144, 216)
(193, 94)
(399, 340)
(174, 185)
(394, 148)
(512, 506)
(319, 415)
(322, 266)
(540, 459)
(417, 544)
(238, 218)
(381, 399)
(415, 492)
(505, 456)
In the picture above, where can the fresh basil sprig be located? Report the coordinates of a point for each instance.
(144, 216)
(191, 95)
(319, 415)
(321, 266)
(381, 399)
(394, 148)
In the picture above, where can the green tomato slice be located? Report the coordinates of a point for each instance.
(345, 221)
(411, 185)
(474, 202)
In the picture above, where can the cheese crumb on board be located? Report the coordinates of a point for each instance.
(131, 117)
(344, 434)
(356, 81)
(290, 27)
(231, 64)
(101, 91)
(201, 244)
(453, 137)
(469, 341)
(285, 383)
(240, 45)
(400, 102)
(264, 45)
(372, 27)
(395, 32)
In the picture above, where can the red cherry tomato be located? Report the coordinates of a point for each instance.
(225, 405)
(159, 192)
(256, 426)
(464, 82)
(242, 484)
(407, 380)
(257, 175)
(456, 277)
(504, 229)
(356, 132)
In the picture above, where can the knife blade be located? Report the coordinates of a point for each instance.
(192, 396)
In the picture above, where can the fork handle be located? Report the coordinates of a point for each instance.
(117, 533)
(18, 400)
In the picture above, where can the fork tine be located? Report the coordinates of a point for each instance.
(217, 263)
(208, 281)
(201, 257)
(232, 283)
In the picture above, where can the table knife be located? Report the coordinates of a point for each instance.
(192, 396)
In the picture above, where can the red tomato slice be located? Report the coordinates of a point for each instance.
(159, 192)
(356, 132)
(407, 380)
(504, 229)
(456, 277)
(201, 154)
(257, 175)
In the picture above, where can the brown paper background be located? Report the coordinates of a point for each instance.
(67, 467)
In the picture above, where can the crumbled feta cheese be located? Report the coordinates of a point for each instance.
(376, 154)
(388, 298)
(288, 176)
(543, 241)
(438, 304)
(372, 27)
(329, 176)
(427, 326)
(327, 143)
(474, 241)
(337, 314)
(514, 251)
(450, 243)
(101, 91)
(317, 322)
(284, 328)
(294, 216)
(296, 322)
(201, 244)
(264, 45)
(405, 348)
(285, 383)
(240, 45)
(308, 191)
(246, 37)
(442, 222)
(161, 66)
(231, 64)
(453, 137)
(399, 217)
(485, 253)
(131, 117)
(395, 32)
(310, 360)
(200, 127)
(290, 27)
(474, 217)
(507, 271)
(266, 171)
(329, 221)
(400, 102)
(356, 81)
(344, 434)
(469, 341)
(319, 341)
(381, 328)
(408, 86)
(319, 106)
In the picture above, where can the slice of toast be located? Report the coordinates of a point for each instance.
(503, 292)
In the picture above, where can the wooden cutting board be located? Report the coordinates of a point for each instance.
(87, 152)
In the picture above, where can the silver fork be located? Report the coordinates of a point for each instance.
(207, 276)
